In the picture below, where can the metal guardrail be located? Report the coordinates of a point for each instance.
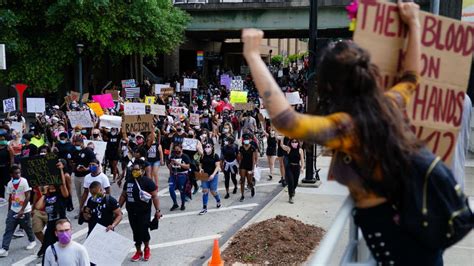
(354, 252)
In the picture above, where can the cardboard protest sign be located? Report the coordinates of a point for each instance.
(293, 98)
(131, 93)
(226, 81)
(138, 123)
(194, 119)
(105, 100)
(111, 121)
(435, 109)
(190, 84)
(190, 144)
(237, 85)
(176, 111)
(74, 96)
(35, 105)
(134, 109)
(115, 94)
(80, 118)
(157, 109)
(99, 148)
(149, 100)
(167, 91)
(96, 108)
(128, 83)
(41, 170)
(244, 106)
(9, 105)
(238, 96)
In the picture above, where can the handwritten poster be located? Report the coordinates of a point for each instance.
(128, 83)
(105, 100)
(194, 119)
(134, 109)
(244, 106)
(35, 105)
(190, 144)
(138, 123)
(190, 84)
(99, 148)
(237, 85)
(149, 100)
(294, 98)
(238, 96)
(157, 109)
(435, 108)
(226, 81)
(111, 121)
(41, 170)
(96, 108)
(80, 118)
(176, 111)
(9, 105)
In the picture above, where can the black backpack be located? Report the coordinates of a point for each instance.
(435, 210)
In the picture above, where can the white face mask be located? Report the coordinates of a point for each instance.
(246, 142)
(226, 143)
(225, 130)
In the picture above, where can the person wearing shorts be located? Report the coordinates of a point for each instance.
(247, 159)
(210, 164)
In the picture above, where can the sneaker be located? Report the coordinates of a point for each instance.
(19, 233)
(234, 191)
(218, 205)
(242, 198)
(147, 254)
(226, 196)
(137, 256)
(3, 253)
(203, 211)
(270, 177)
(175, 207)
(318, 183)
(182, 207)
(281, 180)
(291, 200)
(31, 245)
(252, 191)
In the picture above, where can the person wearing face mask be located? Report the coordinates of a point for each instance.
(271, 151)
(28, 150)
(81, 159)
(6, 160)
(294, 158)
(16, 146)
(210, 164)
(95, 175)
(247, 159)
(19, 210)
(79, 131)
(179, 167)
(194, 156)
(66, 251)
(154, 154)
(112, 151)
(96, 135)
(138, 193)
(53, 202)
(229, 152)
(101, 209)
(64, 146)
(226, 132)
(37, 138)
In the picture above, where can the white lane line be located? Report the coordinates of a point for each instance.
(166, 194)
(181, 242)
(463, 247)
(163, 191)
(25, 261)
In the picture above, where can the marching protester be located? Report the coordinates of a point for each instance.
(195, 156)
(19, 210)
(81, 159)
(271, 151)
(112, 151)
(247, 159)
(294, 158)
(95, 175)
(138, 194)
(65, 251)
(179, 166)
(350, 81)
(230, 167)
(210, 164)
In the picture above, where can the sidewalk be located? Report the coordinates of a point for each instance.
(319, 206)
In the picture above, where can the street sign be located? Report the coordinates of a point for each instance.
(3, 60)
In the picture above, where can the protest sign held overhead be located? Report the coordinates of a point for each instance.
(157, 87)
(238, 96)
(137, 123)
(134, 109)
(131, 93)
(226, 81)
(96, 108)
(35, 105)
(128, 83)
(105, 100)
(244, 106)
(194, 119)
(293, 98)
(41, 170)
(190, 144)
(190, 84)
(237, 85)
(99, 148)
(80, 118)
(157, 109)
(9, 105)
(111, 121)
(149, 100)
(435, 109)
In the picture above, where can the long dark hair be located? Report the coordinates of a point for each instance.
(349, 83)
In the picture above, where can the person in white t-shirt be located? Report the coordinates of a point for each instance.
(66, 251)
(95, 175)
(19, 210)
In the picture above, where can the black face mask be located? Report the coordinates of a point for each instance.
(95, 135)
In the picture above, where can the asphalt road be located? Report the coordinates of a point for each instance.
(184, 237)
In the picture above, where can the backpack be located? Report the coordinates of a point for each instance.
(436, 211)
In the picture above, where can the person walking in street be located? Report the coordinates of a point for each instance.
(6, 161)
(95, 175)
(179, 168)
(247, 159)
(65, 251)
(210, 164)
(138, 194)
(19, 210)
(271, 151)
(229, 163)
(294, 165)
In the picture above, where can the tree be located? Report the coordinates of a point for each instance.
(40, 35)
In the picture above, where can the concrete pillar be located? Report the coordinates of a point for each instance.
(171, 63)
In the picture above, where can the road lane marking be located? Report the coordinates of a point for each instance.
(181, 242)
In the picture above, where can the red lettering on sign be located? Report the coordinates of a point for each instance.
(366, 5)
(428, 36)
(435, 138)
(438, 104)
(379, 19)
(419, 102)
(430, 66)
(392, 11)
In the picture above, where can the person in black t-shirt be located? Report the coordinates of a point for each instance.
(112, 153)
(28, 150)
(229, 154)
(210, 164)
(65, 148)
(101, 209)
(138, 192)
(247, 161)
(179, 168)
(81, 159)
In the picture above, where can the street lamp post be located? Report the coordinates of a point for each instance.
(79, 50)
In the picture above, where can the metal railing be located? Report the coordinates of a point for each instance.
(356, 252)
(177, 2)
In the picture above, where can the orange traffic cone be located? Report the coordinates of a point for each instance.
(216, 255)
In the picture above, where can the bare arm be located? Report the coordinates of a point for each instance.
(409, 14)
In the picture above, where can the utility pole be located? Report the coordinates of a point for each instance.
(311, 97)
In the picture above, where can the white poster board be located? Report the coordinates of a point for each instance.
(35, 105)
(80, 118)
(176, 111)
(294, 98)
(237, 85)
(157, 109)
(265, 114)
(99, 148)
(157, 87)
(134, 109)
(190, 144)
(17, 126)
(190, 84)
(111, 121)
(107, 248)
(3, 60)
(9, 105)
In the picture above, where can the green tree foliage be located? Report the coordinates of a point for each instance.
(40, 35)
